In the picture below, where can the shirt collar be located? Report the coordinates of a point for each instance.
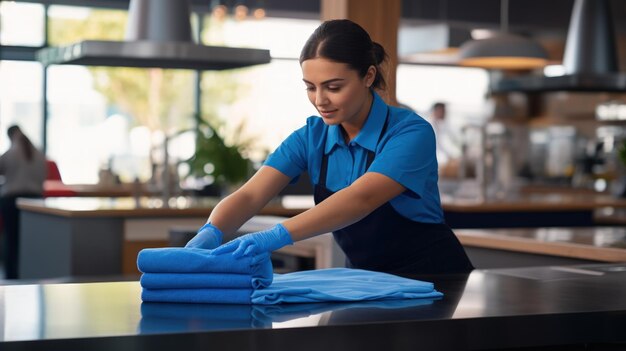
(370, 133)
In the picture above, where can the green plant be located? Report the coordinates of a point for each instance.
(213, 157)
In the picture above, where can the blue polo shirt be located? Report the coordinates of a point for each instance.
(405, 153)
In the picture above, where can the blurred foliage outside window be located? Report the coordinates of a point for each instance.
(161, 100)
(99, 113)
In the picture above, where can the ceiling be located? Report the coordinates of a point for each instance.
(545, 20)
(526, 16)
(533, 17)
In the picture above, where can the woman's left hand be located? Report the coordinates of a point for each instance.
(257, 242)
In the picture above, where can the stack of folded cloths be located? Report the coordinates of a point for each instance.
(199, 276)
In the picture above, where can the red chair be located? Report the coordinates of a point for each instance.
(53, 186)
(53, 171)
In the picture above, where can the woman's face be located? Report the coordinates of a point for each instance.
(337, 91)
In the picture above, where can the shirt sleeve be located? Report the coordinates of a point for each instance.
(408, 156)
(290, 158)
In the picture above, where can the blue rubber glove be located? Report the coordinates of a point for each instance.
(208, 237)
(257, 242)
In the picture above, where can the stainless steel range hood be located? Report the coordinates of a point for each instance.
(590, 58)
(158, 34)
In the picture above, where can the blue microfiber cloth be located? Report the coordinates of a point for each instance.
(323, 285)
(204, 280)
(193, 260)
(230, 296)
(341, 284)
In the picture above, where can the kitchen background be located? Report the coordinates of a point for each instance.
(103, 125)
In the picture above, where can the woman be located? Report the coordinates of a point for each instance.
(24, 170)
(373, 166)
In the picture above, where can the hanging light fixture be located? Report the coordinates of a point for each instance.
(503, 50)
(259, 10)
(240, 11)
(220, 9)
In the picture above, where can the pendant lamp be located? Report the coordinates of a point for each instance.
(504, 50)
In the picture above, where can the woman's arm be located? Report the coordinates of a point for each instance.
(234, 210)
(345, 207)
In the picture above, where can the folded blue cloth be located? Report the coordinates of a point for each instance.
(191, 268)
(231, 296)
(323, 285)
(193, 260)
(204, 280)
(341, 284)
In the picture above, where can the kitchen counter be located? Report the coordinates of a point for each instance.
(512, 247)
(181, 206)
(56, 188)
(85, 236)
(525, 210)
(502, 308)
(99, 236)
(532, 202)
(525, 206)
(611, 216)
(293, 205)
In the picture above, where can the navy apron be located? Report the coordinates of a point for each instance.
(386, 241)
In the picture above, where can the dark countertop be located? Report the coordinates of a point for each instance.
(501, 308)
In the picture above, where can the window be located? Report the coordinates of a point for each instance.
(420, 86)
(69, 24)
(110, 117)
(21, 24)
(262, 104)
(118, 117)
(21, 90)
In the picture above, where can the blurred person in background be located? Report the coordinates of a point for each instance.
(448, 143)
(24, 170)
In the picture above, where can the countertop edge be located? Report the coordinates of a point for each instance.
(561, 249)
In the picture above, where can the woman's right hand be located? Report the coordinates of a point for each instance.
(256, 243)
(208, 237)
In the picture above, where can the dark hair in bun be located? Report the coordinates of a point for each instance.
(346, 42)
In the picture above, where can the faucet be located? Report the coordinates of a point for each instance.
(165, 176)
(165, 172)
(481, 163)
